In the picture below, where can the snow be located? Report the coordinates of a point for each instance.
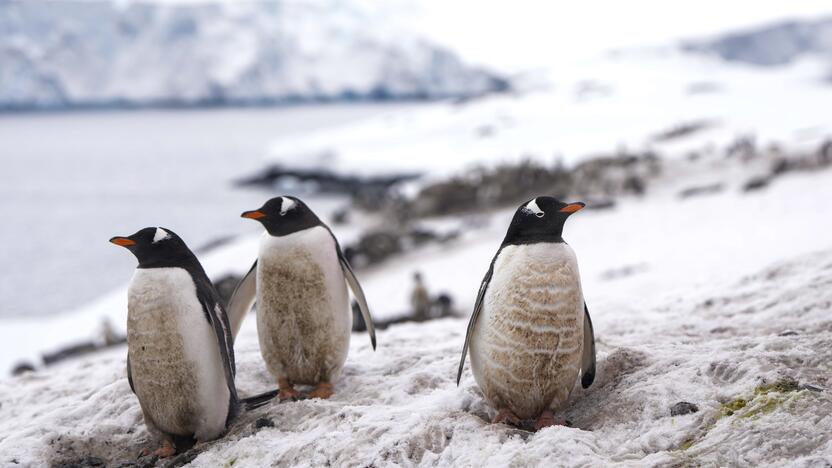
(593, 105)
(730, 292)
(110, 53)
(709, 300)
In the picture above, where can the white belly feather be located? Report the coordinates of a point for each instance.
(303, 316)
(526, 346)
(175, 360)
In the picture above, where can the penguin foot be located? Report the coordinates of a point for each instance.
(547, 418)
(323, 391)
(166, 450)
(287, 391)
(506, 416)
(288, 394)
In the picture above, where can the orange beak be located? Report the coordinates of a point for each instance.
(122, 241)
(572, 207)
(253, 214)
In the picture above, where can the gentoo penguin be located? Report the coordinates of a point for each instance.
(180, 355)
(299, 282)
(530, 334)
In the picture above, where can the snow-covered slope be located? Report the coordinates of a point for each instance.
(772, 45)
(596, 105)
(727, 306)
(66, 53)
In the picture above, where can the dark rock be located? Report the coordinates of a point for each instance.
(22, 368)
(788, 333)
(341, 216)
(181, 459)
(682, 408)
(700, 190)
(70, 351)
(82, 463)
(781, 166)
(756, 183)
(358, 324)
(324, 181)
(226, 286)
(263, 422)
(682, 130)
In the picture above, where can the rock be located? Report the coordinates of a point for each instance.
(22, 368)
(225, 286)
(756, 183)
(70, 351)
(263, 422)
(82, 463)
(682, 408)
(700, 190)
(341, 216)
(682, 130)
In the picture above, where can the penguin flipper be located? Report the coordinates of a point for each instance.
(474, 315)
(588, 355)
(225, 340)
(242, 299)
(359, 296)
(130, 375)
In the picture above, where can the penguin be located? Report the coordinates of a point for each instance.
(299, 282)
(530, 334)
(180, 355)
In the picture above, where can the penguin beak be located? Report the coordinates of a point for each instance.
(572, 207)
(122, 241)
(256, 214)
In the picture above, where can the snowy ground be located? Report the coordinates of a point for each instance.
(709, 300)
(588, 106)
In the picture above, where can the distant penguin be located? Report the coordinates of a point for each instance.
(530, 334)
(299, 283)
(180, 355)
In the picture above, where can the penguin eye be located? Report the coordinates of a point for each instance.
(540, 214)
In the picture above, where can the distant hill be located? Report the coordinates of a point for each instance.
(58, 54)
(775, 44)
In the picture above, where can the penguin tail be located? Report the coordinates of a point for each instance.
(256, 401)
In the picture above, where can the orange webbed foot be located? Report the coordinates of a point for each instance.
(166, 450)
(546, 419)
(287, 391)
(323, 391)
(506, 416)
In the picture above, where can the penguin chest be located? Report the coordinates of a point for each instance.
(526, 346)
(175, 361)
(303, 317)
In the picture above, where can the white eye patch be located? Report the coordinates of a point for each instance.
(532, 208)
(160, 235)
(286, 204)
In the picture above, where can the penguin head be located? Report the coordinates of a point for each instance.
(155, 246)
(540, 219)
(284, 215)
